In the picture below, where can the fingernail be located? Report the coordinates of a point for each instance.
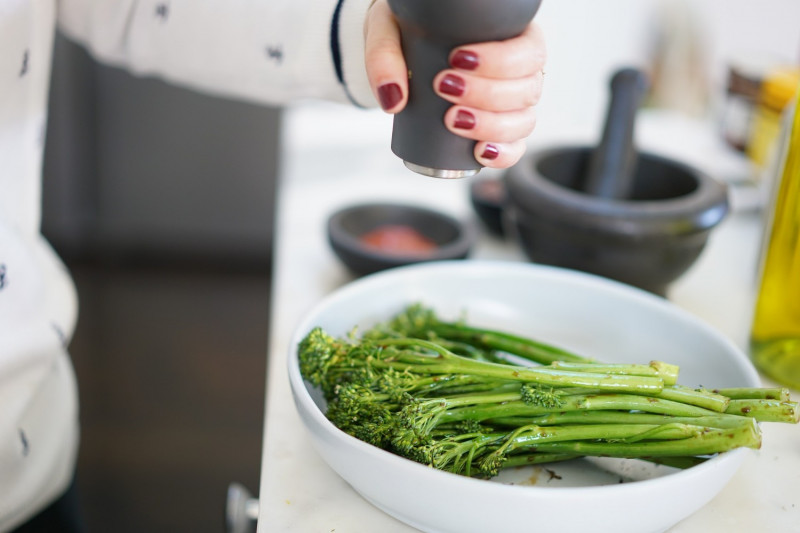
(465, 59)
(452, 85)
(464, 120)
(389, 95)
(490, 152)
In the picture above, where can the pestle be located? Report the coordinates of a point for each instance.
(613, 162)
(429, 31)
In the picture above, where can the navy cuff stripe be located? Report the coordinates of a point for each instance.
(336, 53)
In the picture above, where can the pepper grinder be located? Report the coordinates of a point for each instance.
(429, 30)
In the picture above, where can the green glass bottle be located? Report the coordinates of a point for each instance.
(775, 335)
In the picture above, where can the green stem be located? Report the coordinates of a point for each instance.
(617, 417)
(533, 437)
(577, 402)
(487, 397)
(667, 372)
(527, 436)
(486, 339)
(535, 458)
(766, 410)
(468, 350)
(752, 393)
(678, 393)
(446, 362)
(706, 443)
(700, 398)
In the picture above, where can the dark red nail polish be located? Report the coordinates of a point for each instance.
(490, 152)
(389, 95)
(452, 85)
(464, 120)
(464, 59)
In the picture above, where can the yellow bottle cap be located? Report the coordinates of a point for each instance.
(779, 87)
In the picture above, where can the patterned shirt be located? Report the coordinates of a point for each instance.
(268, 52)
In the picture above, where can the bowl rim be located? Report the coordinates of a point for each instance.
(459, 247)
(730, 460)
(700, 210)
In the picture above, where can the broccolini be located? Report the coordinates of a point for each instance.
(474, 401)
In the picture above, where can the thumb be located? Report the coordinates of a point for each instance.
(386, 68)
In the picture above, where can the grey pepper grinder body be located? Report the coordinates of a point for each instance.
(430, 29)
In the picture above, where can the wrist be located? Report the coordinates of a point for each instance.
(352, 20)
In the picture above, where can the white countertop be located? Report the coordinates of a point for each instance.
(300, 493)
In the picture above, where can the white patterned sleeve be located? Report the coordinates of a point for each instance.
(272, 51)
(38, 392)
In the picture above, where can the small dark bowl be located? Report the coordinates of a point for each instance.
(647, 241)
(453, 239)
(488, 196)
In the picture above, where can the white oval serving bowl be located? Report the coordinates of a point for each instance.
(589, 315)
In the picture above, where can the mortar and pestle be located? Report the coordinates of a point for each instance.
(612, 210)
(429, 31)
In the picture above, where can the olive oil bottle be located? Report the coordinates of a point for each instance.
(775, 335)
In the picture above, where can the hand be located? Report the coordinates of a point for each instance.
(494, 86)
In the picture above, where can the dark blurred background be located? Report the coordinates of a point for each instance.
(160, 201)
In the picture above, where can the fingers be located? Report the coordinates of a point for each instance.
(482, 125)
(489, 94)
(521, 56)
(495, 86)
(499, 155)
(386, 68)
